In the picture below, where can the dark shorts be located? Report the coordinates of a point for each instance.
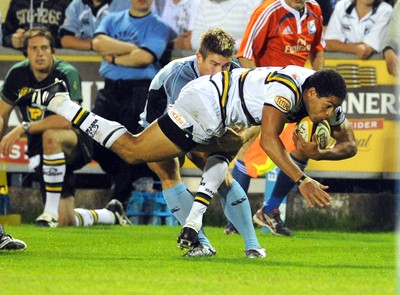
(182, 139)
(81, 156)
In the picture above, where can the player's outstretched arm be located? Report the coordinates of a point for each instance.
(272, 125)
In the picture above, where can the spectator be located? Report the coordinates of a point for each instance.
(358, 27)
(22, 17)
(230, 15)
(391, 43)
(55, 150)
(280, 33)
(7, 242)
(272, 38)
(179, 15)
(130, 42)
(82, 18)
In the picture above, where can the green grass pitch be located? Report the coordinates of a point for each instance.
(146, 260)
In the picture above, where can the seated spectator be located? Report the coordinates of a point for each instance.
(391, 43)
(179, 16)
(82, 18)
(55, 149)
(48, 14)
(358, 27)
(231, 15)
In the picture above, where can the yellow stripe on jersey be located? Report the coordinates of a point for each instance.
(287, 81)
(244, 74)
(225, 86)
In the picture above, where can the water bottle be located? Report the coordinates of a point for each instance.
(134, 209)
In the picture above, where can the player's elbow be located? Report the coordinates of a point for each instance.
(352, 149)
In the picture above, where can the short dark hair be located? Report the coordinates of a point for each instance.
(34, 32)
(217, 41)
(327, 83)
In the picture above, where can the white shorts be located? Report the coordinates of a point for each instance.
(198, 111)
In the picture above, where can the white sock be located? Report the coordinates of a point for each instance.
(85, 217)
(52, 203)
(105, 216)
(214, 174)
(195, 217)
(99, 129)
(54, 169)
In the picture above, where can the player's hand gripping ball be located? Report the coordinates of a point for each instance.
(306, 128)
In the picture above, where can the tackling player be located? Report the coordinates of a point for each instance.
(214, 55)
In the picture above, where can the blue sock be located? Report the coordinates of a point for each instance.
(179, 201)
(282, 187)
(239, 173)
(237, 209)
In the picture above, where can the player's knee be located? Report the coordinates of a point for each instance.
(50, 140)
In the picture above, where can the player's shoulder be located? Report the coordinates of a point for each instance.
(23, 64)
(186, 65)
(297, 73)
(19, 69)
(64, 66)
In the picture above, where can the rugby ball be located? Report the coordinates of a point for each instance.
(306, 128)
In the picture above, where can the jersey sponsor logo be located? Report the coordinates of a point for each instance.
(301, 46)
(312, 28)
(282, 102)
(34, 114)
(287, 31)
(177, 118)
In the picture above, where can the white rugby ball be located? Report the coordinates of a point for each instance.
(306, 128)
